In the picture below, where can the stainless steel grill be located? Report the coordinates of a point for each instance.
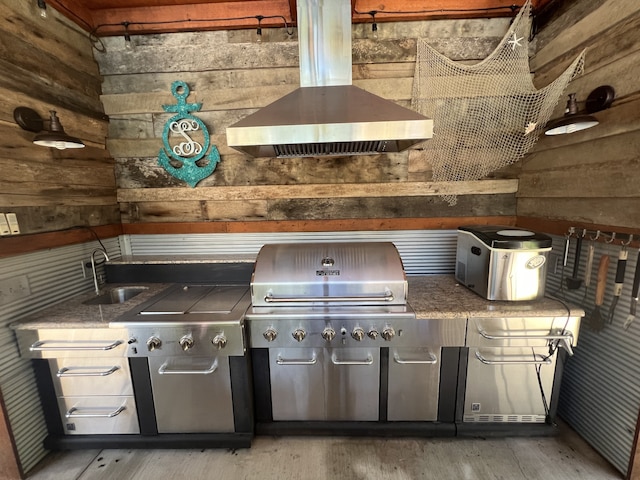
(333, 318)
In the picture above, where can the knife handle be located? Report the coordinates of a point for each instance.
(588, 269)
(601, 284)
(620, 271)
(636, 279)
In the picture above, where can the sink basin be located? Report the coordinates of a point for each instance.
(115, 295)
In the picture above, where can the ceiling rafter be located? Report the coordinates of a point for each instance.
(109, 17)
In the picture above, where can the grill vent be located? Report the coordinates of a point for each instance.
(332, 148)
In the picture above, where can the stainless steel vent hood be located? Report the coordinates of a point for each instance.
(327, 115)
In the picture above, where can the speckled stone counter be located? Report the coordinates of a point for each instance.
(73, 313)
(432, 297)
(440, 296)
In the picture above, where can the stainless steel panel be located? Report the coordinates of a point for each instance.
(192, 394)
(316, 273)
(414, 382)
(98, 415)
(91, 376)
(325, 384)
(523, 331)
(196, 299)
(72, 342)
(503, 382)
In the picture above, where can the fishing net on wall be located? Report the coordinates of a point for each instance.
(487, 115)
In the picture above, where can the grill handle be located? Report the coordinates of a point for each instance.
(163, 370)
(66, 372)
(367, 361)
(284, 361)
(39, 346)
(71, 413)
(432, 360)
(385, 297)
(565, 340)
(542, 360)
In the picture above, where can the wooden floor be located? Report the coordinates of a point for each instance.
(563, 457)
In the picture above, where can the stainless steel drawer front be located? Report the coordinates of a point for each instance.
(91, 376)
(98, 415)
(72, 342)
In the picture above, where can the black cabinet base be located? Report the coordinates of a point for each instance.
(372, 429)
(169, 440)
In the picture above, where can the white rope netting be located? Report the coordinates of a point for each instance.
(486, 115)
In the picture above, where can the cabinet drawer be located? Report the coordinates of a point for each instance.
(98, 415)
(72, 342)
(91, 376)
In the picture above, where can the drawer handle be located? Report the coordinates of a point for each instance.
(387, 296)
(543, 360)
(565, 340)
(40, 346)
(367, 361)
(432, 360)
(65, 372)
(164, 370)
(283, 361)
(72, 413)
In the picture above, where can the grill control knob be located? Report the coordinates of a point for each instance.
(299, 334)
(186, 342)
(373, 334)
(328, 334)
(388, 333)
(358, 333)
(270, 334)
(153, 343)
(219, 341)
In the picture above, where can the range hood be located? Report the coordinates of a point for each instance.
(327, 115)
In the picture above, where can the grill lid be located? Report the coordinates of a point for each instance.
(367, 273)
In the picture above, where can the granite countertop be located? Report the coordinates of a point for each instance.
(181, 259)
(72, 313)
(440, 296)
(432, 297)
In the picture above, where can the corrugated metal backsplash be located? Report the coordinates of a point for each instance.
(45, 277)
(423, 252)
(600, 394)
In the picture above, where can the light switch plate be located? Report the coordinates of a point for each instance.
(4, 225)
(12, 219)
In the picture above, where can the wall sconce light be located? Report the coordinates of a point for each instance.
(49, 132)
(599, 99)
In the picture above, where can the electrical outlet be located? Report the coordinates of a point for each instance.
(14, 288)
(12, 220)
(4, 225)
(85, 265)
(556, 263)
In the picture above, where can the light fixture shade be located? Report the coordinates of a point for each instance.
(570, 124)
(53, 136)
(599, 99)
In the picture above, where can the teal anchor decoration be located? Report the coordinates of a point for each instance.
(187, 152)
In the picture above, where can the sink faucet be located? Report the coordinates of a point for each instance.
(93, 267)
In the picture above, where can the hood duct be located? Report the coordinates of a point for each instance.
(327, 115)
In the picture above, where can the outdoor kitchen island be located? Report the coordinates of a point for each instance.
(458, 313)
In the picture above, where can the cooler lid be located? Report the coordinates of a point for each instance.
(508, 237)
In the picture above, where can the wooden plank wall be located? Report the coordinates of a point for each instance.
(233, 75)
(47, 64)
(590, 177)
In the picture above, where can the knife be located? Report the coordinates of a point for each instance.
(634, 295)
(617, 289)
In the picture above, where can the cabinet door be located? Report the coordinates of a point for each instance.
(352, 384)
(502, 384)
(192, 394)
(414, 381)
(297, 383)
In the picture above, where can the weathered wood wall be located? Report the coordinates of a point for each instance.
(233, 75)
(47, 64)
(593, 176)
